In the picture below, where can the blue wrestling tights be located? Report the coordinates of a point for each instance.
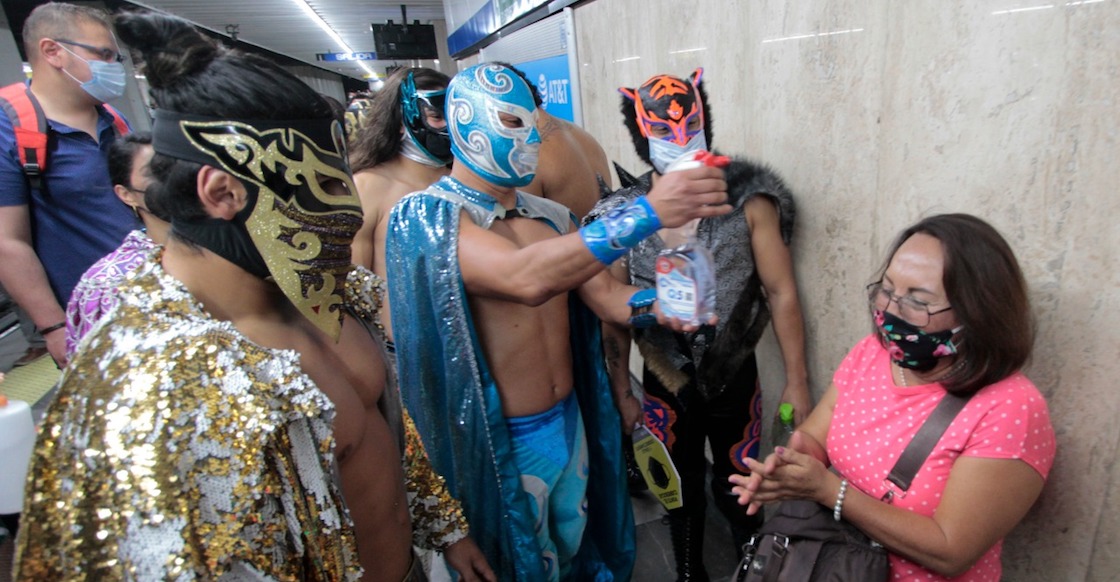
(550, 451)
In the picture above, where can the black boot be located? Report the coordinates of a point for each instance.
(687, 532)
(635, 482)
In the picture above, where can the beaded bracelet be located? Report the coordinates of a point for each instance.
(50, 328)
(840, 500)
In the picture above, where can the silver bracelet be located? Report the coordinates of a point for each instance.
(840, 500)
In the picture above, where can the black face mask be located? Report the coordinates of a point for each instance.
(301, 209)
(911, 347)
(228, 239)
(435, 142)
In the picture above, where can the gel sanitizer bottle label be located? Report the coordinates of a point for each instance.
(686, 282)
(676, 291)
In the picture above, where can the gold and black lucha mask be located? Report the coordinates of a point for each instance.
(293, 227)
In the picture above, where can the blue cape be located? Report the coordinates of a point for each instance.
(448, 390)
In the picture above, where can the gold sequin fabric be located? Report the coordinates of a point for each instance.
(176, 449)
(437, 517)
(365, 296)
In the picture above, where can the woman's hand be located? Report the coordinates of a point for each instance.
(467, 560)
(745, 486)
(785, 474)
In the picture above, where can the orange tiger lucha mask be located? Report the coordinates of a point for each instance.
(667, 116)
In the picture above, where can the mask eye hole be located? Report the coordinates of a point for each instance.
(511, 121)
(434, 118)
(660, 131)
(333, 186)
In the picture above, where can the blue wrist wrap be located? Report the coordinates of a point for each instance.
(641, 307)
(621, 229)
(642, 298)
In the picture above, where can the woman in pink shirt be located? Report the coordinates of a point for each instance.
(951, 314)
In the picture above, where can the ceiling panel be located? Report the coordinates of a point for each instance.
(283, 27)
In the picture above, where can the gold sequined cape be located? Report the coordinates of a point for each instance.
(176, 449)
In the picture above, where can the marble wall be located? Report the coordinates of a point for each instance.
(878, 113)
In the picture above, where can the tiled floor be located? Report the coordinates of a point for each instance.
(655, 551)
(655, 561)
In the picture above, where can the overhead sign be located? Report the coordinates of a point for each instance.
(343, 57)
(473, 20)
(554, 84)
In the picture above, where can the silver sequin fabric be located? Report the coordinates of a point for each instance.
(176, 449)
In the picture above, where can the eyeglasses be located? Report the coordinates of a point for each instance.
(104, 54)
(914, 311)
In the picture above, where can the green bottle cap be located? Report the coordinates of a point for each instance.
(785, 413)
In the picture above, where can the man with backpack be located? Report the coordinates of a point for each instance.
(58, 213)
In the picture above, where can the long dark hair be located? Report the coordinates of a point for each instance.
(189, 73)
(122, 156)
(122, 153)
(379, 137)
(985, 286)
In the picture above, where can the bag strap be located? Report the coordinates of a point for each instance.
(29, 125)
(119, 124)
(916, 453)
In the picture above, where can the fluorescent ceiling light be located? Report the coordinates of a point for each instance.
(314, 16)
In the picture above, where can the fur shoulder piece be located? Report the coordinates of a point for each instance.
(604, 189)
(625, 179)
(747, 178)
(632, 188)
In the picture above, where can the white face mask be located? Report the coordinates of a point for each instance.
(414, 152)
(663, 152)
(106, 80)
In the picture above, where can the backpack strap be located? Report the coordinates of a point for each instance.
(30, 127)
(119, 124)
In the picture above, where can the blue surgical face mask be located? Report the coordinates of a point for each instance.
(663, 152)
(106, 80)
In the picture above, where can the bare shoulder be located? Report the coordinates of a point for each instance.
(761, 211)
(587, 142)
(569, 161)
(573, 149)
(374, 184)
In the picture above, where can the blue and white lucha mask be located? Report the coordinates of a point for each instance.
(502, 155)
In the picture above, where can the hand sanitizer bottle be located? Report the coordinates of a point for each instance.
(783, 425)
(686, 277)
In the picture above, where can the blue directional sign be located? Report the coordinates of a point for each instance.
(553, 80)
(343, 57)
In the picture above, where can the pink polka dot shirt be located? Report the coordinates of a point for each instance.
(874, 420)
